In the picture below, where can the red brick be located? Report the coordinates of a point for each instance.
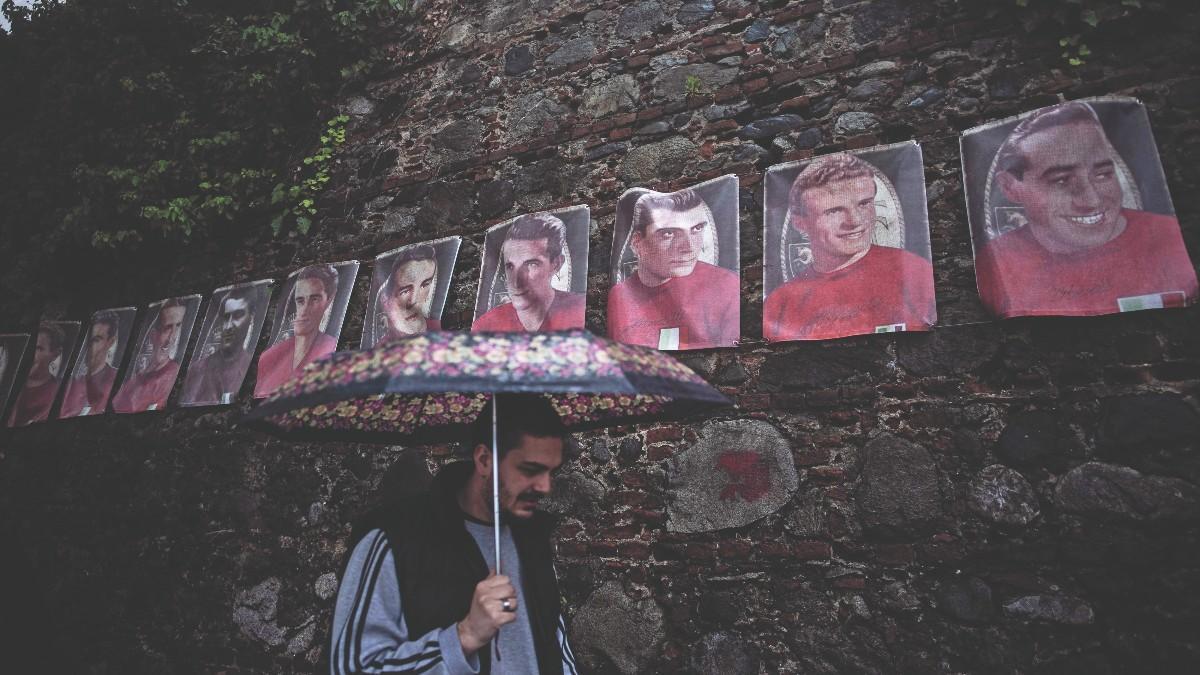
(856, 583)
(735, 549)
(720, 127)
(620, 134)
(754, 401)
(634, 550)
(812, 550)
(603, 548)
(755, 85)
(635, 62)
(728, 92)
(784, 77)
(663, 434)
(602, 126)
(573, 549)
(650, 113)
(755, 59)
(826, 474)
(773, 549)
(625, 119)
(894, 554)
(720, 51)
(711, 40)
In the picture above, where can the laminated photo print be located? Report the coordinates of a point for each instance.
(1070, 213)
(12, 349)
(308, 321)
(534, 273)
(161, 342)
(228, 338)
(53, 346)
(846, 245)
(97, 363)
(675, 273)
(409, 286)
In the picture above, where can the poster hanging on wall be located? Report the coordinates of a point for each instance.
(162, 340)
(1070, 213)
(534, 273)
(409, 286)
(96, 364)
(51, 354)
(12, 350)
(675, 267)
(228, 338)
(308, 321)
(846, 246)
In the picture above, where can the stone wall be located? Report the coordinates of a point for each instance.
(991, 497)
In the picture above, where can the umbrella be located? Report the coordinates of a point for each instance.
(431, 388)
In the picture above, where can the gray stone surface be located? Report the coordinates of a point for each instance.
(326, 586)
(572, 51)
(695, 11)
(851, 123)
(897, 494)
(533, 113)
(518, 60)
(1149, 420)
(614, 631)
(1106, 490)
(945, 352)
(1028, 439)
(1062, 609)
(639, 19)
(459, 136)
(360, 106)
(724, 653)
(810, 514)
(647, 163)
(868, 89)
(821, 366)
(736, 473)
(714, 113)
(808, 139)
(1003, 496)
(928, 97)
(303, 640)
(254, 612)
(758, 30)
(576, 494)
(495, 197)
(965, 599)
(616, 93)
(655, 128)
(769, 127)
(604, 150)
(672, 83)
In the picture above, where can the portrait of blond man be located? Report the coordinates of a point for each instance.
(1070, 213)
(845, 251)
(675, 274)
(534, 273)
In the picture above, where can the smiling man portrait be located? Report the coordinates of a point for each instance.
(313, 293)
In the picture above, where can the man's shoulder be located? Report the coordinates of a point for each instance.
(897, 259)
(567, 301)
(496, 318)
(279, 348)
(709, 273)
(1148, 222)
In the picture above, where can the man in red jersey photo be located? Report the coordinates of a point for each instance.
(34, 400)
(154, 372)
(408, 290)
(1078, 247)
(851, 284)
(673, 299)
(89, 389)
(533, 253)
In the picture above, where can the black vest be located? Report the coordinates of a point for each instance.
(439, 564)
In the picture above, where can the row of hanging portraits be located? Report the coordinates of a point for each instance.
(1068, 210)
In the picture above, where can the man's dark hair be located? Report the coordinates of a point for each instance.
(173, 302)
(411, 254)
(535, 226)
(110, 319)
(519, 415)
(241, 293)
(684, 200)
(1010, 158)
(56, 337)
(326, 274)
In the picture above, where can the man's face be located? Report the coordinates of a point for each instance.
(525, 474)
(671, 245)
(405, 304)
(166, 331)
(234, 322)
(1069, 189)
(529, 270)
(99, 342)
(43, 354)
(839, 218)
(311, 302)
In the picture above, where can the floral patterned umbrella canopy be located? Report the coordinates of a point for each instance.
(429, 388)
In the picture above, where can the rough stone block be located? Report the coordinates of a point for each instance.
(1104, 490)
(1003, 496)
(898, 491)
(613, 630)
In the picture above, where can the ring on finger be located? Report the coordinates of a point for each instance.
(506, 605)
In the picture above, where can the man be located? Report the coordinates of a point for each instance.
(88, 395)
(217, 377)
(412, 281)
(532, 253)
(315, 288)
(149, 388)
(1079, 252)
(37, 396)
(674, 300)
(851, 287)
(417, 592)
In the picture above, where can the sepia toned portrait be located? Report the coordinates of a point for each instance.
(12, 352)
(846, 246)
(534, 273)
(96, 363)
(52, 348)
(675, 267)
(228, 338)
(1070, 214)
(308, 321)
(408, 290)
(161, 342)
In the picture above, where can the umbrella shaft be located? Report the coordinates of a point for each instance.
(495, 487)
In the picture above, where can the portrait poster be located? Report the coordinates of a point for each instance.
(228, 339)
(846, 245)
(534, 273)
(50, 357)
(409, 286)
(675, 267)
(307, 322)
(1070, 214)
(12, 351)
(162, 340)
(98, 362)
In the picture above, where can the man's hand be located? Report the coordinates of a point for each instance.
(487, 613)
